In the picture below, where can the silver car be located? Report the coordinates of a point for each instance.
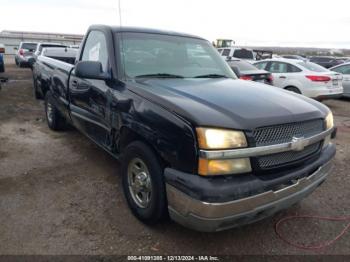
(345, 70)
(24, 52)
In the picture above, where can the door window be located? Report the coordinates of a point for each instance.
(261, 65)
(293, 69)
(277, 67)
(95, 49)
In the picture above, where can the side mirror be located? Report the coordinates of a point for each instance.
(229, 58)
(235, 69)
(90, 70)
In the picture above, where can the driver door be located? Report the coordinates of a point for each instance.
(89, 96)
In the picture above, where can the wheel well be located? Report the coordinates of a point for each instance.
(294, 87)
(291, 87)
(44, 87)
(128, 136)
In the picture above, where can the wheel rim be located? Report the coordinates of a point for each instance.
(139, 182)
(49, 112)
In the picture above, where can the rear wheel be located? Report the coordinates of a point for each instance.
(143, 183)
(54, 119)
(293, 89)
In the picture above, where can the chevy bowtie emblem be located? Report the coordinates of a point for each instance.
(298, 143)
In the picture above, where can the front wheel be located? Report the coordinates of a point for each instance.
(143, 183)
(54, 119)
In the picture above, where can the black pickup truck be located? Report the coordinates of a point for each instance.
(195, 143)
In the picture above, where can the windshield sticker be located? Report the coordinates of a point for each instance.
(94, 52)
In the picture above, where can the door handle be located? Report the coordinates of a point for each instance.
(74, 83)
(80, 86)
(283, 77)
(121, 105)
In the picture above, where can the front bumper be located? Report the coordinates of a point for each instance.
(191, 210)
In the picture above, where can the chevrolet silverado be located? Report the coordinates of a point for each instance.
(194, 142)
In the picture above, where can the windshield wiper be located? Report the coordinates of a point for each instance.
(160, 75)
(211, 76)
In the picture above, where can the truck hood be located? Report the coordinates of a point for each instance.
(229, 103)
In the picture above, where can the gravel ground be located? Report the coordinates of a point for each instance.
(61, 194)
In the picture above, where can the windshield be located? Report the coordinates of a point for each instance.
(313, 67)
(243, 54)
(28, 46)
(157, 55)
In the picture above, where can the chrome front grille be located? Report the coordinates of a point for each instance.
(287, 157)
(279, 134)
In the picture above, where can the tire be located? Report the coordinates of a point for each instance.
(293, 89)
(155, 209)
(36, 93)
(54, 119)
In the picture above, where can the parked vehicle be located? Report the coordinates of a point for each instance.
(250, 55)
(247, 71)
(296, 57)
(2, 62)
(194, 142)
(326, 61)
(24, 52)
(3, 79)
(42, 73)
(41, 46)
(344, 69)
(304, 78)
(39, 49)
(237, 52)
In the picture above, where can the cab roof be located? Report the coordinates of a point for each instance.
(117, 29)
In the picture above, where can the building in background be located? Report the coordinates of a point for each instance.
(11, 39)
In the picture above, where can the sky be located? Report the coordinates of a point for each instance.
(308, 23)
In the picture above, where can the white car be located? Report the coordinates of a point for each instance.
(345, 70)
(304, 78)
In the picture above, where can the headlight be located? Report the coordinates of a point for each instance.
(209, 167)
(329, 120)
(210, 138)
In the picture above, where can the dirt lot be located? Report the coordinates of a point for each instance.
(61, 194)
